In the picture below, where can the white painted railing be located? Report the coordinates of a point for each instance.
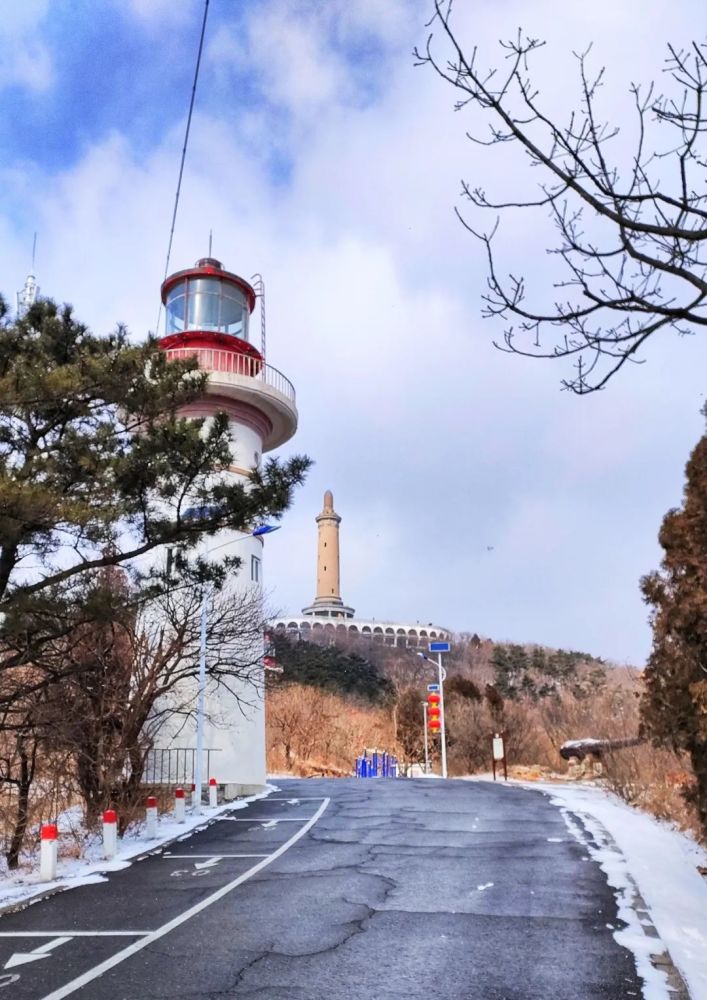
(231, 363)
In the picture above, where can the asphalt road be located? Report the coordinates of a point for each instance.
(340, 890)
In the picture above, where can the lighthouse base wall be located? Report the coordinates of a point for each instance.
(236, 738)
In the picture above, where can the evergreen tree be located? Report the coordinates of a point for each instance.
(674, 706)
(333, 669)
(537, 660)
(511, 665)
(97, 469)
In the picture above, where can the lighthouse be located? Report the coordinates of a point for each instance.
(208, 317)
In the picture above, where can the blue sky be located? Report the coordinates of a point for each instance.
(474, 493)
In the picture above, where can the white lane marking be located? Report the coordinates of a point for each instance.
(311, 798)
(168, 857)
(110, 963)
(280, 819)
(53, 934)
(23, 957)
(211, 863)
(486, 885)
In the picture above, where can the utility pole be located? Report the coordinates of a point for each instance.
(427, 752)
(443, 732)
(439, 648)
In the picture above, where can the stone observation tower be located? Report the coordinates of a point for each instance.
(208, 313)
(318, 620)
(328, 603)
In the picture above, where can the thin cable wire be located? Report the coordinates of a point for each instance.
(184, 151)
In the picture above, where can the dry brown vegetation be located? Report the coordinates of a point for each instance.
(310, 731)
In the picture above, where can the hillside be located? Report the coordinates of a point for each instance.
(331, 701)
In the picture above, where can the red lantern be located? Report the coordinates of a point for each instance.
(434, 711)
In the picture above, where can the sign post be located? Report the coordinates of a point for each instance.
(439, 648)
(498, 753)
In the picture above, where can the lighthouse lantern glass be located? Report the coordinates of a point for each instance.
(209, 304)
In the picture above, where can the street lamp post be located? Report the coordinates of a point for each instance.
(441, 674)
(427, 752)
(263, 529)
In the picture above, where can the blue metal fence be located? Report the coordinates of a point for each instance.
(380, 764)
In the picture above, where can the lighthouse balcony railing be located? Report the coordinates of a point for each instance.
(232, 363)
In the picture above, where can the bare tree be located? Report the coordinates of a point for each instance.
(628, 260)
(126, 679)
(298, 720)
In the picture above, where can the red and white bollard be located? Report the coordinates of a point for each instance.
(110, 834)
(151, 817)
(213, 793)
(179, 805)
(47, 855)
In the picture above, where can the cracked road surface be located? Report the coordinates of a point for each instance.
(339, 890)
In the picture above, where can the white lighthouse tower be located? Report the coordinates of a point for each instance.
(208, 312)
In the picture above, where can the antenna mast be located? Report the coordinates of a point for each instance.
(259, 286)
(28, 296)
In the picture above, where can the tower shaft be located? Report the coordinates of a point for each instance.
(328, 603)
(328, 565)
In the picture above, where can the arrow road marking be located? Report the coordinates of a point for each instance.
(219, 857)
(23, 957)
(110, 963)
(208, 864)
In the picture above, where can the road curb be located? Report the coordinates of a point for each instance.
(53, 890)
(660, 959)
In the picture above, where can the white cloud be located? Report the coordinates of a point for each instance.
(473, 492)
(25, 59)
(162, 14)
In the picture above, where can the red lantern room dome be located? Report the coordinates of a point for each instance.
(208, 307)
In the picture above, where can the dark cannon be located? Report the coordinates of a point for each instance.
(579, 749)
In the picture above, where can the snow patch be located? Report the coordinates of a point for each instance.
(26, 887)
(657, 859)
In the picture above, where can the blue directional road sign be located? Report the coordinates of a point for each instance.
(432, 687)
(439, 647)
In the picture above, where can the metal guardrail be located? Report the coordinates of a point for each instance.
(232, 363)
(174, 766)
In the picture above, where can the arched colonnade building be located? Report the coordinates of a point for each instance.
(387, 633)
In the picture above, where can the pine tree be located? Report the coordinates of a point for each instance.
(97, 468)
(674, 706)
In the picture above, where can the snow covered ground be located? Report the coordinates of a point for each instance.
(661, 862)
(16, 887)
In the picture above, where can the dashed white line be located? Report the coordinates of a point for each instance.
(168, 857)
(300, 798)
(73, 934)
(263, 819)
(121, 956)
